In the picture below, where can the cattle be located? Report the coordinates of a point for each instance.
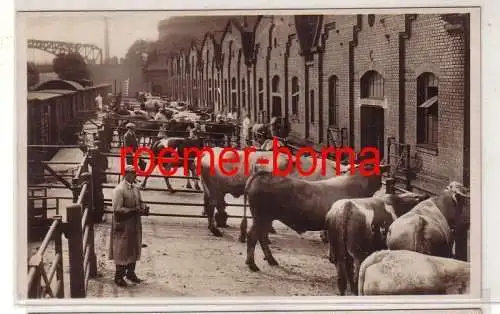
(299, 204)
(217, 184)
(260, 133)
(218, 131)
(406, 272)
(357, 228)
(180, 145)
(427, 228)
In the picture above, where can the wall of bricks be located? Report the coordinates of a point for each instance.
(432, 49)
(398, 47)
(337, 33)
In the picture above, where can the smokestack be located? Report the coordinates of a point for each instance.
(106, 40)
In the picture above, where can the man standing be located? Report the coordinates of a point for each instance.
(247, 125)
(194, 133)
(126, 229)
(130, 140)
(98, 102)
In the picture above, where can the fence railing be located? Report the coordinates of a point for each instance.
(78, 228)
(40, 282)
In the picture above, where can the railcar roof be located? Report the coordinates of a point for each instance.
(42, 95)
(57, 91)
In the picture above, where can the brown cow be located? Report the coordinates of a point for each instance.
(357, 228)
(410, 273)
(299, 204)
(427, 228)
(217, 184)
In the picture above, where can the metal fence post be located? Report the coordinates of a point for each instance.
(75, 250)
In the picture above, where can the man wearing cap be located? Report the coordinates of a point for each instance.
(126, 229)
(130, 140)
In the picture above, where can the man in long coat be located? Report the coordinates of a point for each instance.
(126, 229)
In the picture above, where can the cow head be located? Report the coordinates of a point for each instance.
(458, 191)
(404, 202)
(459, 195)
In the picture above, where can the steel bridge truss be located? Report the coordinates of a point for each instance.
(92, 54)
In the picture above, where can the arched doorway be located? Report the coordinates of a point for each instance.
(372, 128)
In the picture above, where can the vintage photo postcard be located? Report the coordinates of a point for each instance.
(275, 154)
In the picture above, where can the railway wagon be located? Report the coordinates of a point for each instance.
(56, 111)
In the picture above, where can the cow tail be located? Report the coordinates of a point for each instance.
(244, 223)
(342, 240)
(419, 235)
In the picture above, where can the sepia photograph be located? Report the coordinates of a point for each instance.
(305, 153)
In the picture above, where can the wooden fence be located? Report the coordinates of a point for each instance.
(78, 229)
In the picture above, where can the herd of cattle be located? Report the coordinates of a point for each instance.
(379, 243)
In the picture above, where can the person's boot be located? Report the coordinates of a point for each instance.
(119, 274)
(131, 273)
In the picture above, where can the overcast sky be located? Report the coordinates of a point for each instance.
(88, 27)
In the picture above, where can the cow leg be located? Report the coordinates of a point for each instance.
(206, 201)
(210, 209)
(188, 183)
(194, 175)
(167, 182)
(252, 236)
(264, 244)
(221, 215)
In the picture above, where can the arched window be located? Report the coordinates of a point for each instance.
(427, 110)
(295, 95)
(243, 93)
(261, 94)
(311, 105)
(275, 97)
(225, 91)
(372, 85)
(275, 84)
(210, 99)
(333, 101)
(234, 96)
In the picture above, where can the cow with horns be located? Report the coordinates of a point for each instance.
(427, 228)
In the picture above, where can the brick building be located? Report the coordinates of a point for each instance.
(358, 79)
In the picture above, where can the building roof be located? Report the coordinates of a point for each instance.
(180, 32)
(58, 84)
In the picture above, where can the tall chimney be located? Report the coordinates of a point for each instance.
(106, 40)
